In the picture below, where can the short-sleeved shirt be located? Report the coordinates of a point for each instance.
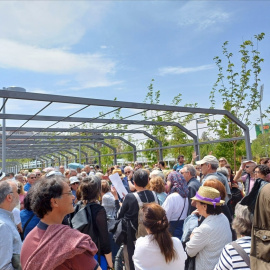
(251, 181)
(178, 167)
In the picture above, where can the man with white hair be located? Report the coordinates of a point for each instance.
(128, 171)
(249, 177)
(190, 174)
(38, 173)
(10, 243)
(19, 178)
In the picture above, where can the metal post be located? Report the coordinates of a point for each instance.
(80, 160)
(197, 147)
(4, 139)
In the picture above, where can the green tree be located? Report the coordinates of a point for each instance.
(261, 145)
(238, 91)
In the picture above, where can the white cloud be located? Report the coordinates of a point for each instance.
(49, 23)
(103, 47)
(202, 15)
(182, 70)
(89, 70)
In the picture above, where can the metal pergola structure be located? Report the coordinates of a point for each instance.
(53, 140)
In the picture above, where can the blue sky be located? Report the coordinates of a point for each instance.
(108, 49)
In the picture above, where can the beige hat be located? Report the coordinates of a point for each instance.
(207, 159)
(119, 172)
(208, 195)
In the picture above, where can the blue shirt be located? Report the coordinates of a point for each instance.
(10, 241)
(25, 216)
(27, 187)
(178, 167)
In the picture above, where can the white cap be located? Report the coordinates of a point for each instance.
(207, 159)
(247, 161)
(73, 180)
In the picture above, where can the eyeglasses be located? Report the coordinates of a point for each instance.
(68, 193)
(32, 177)
(128, 172)
(38, 174)
(248, 166)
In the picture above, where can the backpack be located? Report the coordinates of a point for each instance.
(141, 231)
(82, 220)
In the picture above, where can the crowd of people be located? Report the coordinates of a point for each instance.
(194, 216)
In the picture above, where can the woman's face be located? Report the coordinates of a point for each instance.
(258, 174)
(201, 208)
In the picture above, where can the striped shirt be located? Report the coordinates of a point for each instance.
(230, 259)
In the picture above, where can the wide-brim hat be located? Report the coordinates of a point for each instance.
(119, 172)
(208, 195)
(207, 159)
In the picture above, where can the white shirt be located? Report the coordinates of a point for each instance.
(173, 206)
(17, 217)
(147, 255)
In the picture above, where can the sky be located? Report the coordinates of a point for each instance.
(113, 49)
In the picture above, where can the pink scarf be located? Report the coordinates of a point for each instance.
(58, 244)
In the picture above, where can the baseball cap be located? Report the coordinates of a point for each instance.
(73, 180)
(207, 159)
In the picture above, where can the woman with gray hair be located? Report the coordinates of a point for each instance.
(230, 257)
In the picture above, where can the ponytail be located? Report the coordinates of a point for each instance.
(156, 221)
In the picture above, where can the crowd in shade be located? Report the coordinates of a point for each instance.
(197, 216)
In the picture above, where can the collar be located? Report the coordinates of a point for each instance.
(6, 213)
(43, 226)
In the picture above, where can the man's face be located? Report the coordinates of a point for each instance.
(181, 160)
(20, 179)
(128, 172)
(65, 202)
(38, 174)
(15, 196)
(32, 178)
(73, 173)
(204, 168)
(87, 169)
(62, 169)
(250, 167)
(186, 174)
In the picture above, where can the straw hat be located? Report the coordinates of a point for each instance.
(208, 195)
(119, 172)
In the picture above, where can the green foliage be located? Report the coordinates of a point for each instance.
(238, 90)
(261, 146)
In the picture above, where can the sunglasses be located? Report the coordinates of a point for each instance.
(248, 166)
(38, 174)
(32, 177)
(128, 172)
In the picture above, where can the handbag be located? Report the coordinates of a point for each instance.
(119, 231)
